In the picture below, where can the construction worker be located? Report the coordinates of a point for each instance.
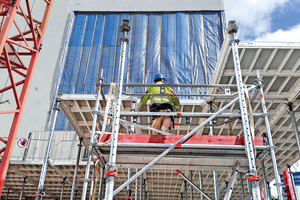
(160, 104)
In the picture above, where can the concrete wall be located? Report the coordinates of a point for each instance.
(38, 104)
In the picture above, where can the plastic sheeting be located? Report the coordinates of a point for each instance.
(183, 46)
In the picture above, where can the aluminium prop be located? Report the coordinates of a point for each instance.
(293, 181)
(294, 123)
(192, 184)
(22, 189)
(88, 164)
(101, 183)
(215, 173)
(253, 178)
(266, 194)
(269, 136)
(191, 177)
(231, 182)
(200, 184)
(76, 169)
(136, 187)
(39, 192)
(242, 186)
(128, 194)
(62, 188)
(111, 173)
(93, 180)
(185, 189)
(174, 145)
(177, 85)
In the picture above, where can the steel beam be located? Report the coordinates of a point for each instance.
(294, 123)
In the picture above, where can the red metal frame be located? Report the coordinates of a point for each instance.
(16, 50)
(288, 185)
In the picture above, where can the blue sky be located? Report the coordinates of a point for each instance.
(267, 20)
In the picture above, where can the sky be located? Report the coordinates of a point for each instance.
(267, 20)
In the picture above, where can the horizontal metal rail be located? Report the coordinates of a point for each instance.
(177, 94)
(176, 85)
(179, 114)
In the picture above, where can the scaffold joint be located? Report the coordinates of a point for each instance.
(111, 173)
(254, 178)
(38, 195)
(128, 197)
(178, 145)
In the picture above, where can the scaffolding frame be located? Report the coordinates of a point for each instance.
(248, 128)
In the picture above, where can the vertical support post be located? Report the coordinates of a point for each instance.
(216, 185)
(144, 189)
(23, 185)
(185, 190)
(128, 194)
(288, 185)
(62, 188)
(141, 187)
(266, 194)
(100, 184)
(136, 186)
(92, 181)
(76, 193)
(269, 135)
(293, 182)
(215, 173)
(76, 169)
(242, 186)
(6, 198)
(253, 178)
(294, 122)
(39, 192)
(133, 119)
(95, 115)
(191, 187)
(181, 196)
(125, 28)
(201, 184)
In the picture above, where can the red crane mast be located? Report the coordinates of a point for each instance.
(20, 50)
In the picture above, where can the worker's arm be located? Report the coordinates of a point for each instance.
(142, 102)
(175, 100)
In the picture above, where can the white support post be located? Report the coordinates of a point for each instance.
(111, 166)
(62, 188)
(269, 135)
(92, 182)
(294, 123)
(22, 190)
(191, 187)
(253, 178)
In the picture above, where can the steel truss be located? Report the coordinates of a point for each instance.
(20, 50)
(246, 115)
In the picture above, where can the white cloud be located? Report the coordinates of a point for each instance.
(253, 17)
(291, 35)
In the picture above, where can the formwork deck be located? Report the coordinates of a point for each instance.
(278, 64)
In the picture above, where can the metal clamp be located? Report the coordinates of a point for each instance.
(111, 173)
(128, 197)
(254, 178)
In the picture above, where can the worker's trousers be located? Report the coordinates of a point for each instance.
(163, 123)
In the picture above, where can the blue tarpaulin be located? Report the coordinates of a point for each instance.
(183, 46)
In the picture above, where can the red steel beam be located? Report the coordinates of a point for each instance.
(29, 49)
